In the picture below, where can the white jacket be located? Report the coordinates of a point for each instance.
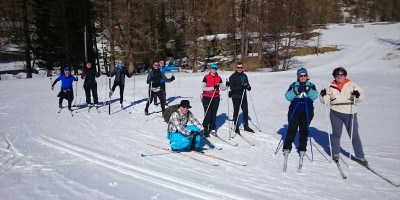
(342, 101)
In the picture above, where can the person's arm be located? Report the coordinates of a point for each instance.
(149, 77)
(222, 86)
(204, 87)
(290, 94)
(55, 81)
(313, 93)
(195, 121)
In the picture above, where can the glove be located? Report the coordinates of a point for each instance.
(193, 132)
(216, 87)
(172, 78)
(227, 84)
(244, 86)
(323, 93)
(356, 93)
(248, 87)
(301, 89)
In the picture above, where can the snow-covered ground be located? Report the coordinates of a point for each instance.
(48, 155)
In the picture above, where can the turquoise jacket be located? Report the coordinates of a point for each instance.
(304, 101)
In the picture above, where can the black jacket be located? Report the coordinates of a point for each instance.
(89, 75)
(120, 73)
(237, 82)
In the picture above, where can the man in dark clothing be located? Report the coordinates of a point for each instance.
(89, 75)
(120, 72)
(239, 83)
(154, 80)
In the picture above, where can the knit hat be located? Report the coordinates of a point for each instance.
(185, 103)
(67, 70)
(301, 71)
(214, 66)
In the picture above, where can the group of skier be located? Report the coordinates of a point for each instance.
(341, 96)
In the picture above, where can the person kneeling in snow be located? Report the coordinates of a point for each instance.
(183, 136)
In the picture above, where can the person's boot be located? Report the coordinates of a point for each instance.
(302, 154)
(363, 161)
(248, 129)
(111, 93)
(335, 157)
(146, 111)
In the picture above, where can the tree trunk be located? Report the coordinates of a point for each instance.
(27, 40)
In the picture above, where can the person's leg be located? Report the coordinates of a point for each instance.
(236, 106)
(121, 93)
(303, 130)
(356, 140)
(293, 125)
(94, 93)
(337, 126)
(207, 115)
(87, 94)
(214, 110)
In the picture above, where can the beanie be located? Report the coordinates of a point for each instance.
(214, 66)
(67, 70)
(301, 71)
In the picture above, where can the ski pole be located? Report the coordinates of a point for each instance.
(258, 124)
(227, 99)
(329, 131)
(51, 82)
(284, 136)
(352, 126)
(208, 107)
(308, 129)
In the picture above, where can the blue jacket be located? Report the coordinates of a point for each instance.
(164, 69)
(304, 103)
(66, 82)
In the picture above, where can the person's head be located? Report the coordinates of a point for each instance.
(161, 62)
(67, 72)
(88, 64)
(184, 106)
(239, 67)
(214, 68)
(339, 74)
(302, 75)
(155, 65)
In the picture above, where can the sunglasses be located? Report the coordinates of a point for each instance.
(239, 67)
(303, 76)
(185, 107)
(155, 65)
(339, 75)
(214, 68)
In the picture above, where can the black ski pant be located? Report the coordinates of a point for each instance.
(121, 91)
(67, 94)
(153, 95)
(162, 86)
(298, 122)
(91, 87)
(236, 105)
(210, 110)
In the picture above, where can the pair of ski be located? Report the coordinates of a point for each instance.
(70, 111)
(195, 158)
(299, 168)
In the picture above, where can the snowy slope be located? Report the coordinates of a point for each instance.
(46, 155)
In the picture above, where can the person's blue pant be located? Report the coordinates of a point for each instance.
(181, 141)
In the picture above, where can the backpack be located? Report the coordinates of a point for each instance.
(168, 112)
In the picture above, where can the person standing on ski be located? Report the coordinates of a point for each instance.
(341, 97)
(210, 99)
(301, 95)
(67, 91)
(120, 72)
(90, 85)
(181, 135)
(154, 80)
(239, 84)
(163, 70)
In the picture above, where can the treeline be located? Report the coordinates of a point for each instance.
(64, 32)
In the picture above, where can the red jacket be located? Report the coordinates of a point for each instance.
(211, 81)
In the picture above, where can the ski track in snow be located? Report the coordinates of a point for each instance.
(180, 185)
